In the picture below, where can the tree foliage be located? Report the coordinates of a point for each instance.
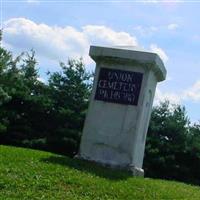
(42, 115)
(170, 145)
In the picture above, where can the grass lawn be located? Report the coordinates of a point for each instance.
(31, 174)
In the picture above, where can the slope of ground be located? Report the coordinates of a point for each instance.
(31, 174)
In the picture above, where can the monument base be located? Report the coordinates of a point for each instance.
(134, 171)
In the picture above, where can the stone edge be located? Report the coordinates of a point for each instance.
(151, 59)
(133, 170)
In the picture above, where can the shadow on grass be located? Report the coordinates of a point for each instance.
(88, 167)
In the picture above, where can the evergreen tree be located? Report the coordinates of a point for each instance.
(70, 91)
(167, 142)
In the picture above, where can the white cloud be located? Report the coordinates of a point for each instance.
(59, 43)
(193, 92)
(154, 48)
(53, 42)
(189, 94)
(146, 31)
(162, 96)
(108, 36)
(172, 26)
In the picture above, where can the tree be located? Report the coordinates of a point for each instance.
(192, 158)
(70, 91)
(15, 110)
(167, 142)
(5, 62)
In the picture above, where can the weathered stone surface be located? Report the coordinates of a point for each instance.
(120, 106)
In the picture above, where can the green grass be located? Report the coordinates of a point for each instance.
(31, 174)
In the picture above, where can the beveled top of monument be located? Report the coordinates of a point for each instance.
(130, 54)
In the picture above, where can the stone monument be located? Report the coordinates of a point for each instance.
(116, 124)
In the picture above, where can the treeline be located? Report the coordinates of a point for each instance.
(50, 116)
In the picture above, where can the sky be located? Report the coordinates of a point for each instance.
(59, 30)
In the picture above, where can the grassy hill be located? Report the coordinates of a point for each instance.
(30, 174)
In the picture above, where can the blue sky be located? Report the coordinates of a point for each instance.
(58, 30)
